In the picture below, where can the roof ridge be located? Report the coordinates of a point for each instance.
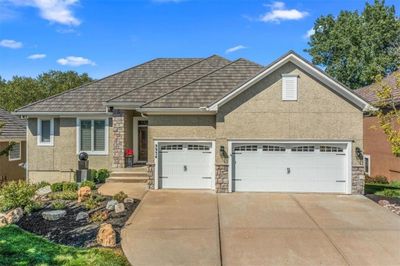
(172, 73)
(195, 80)
(86, 84)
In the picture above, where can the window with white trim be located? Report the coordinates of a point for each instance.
(198, 147)
(303, 149)
(246, 148)
(273, 148)
(45, 130)
(330, 149)
(93, 136)
(15, 152)
(367, 164)
(289, 87)
(172, 147)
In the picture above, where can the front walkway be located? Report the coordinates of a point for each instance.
(203, 228)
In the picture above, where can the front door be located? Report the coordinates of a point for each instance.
(142, 140)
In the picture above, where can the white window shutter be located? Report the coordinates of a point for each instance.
(289, 88)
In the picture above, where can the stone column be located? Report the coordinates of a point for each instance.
(221, 178)
(358, 179)
(120, 137)
(150, 174)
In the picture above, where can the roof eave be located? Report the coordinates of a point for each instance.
(60, 114)
(176, 111)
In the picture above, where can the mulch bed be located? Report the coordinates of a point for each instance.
(70, 232)
(394, 203)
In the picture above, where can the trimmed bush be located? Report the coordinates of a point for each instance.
(56, 187)
(16, 194)
(41, 184)
(34, 206)
(120, 196)
(58, 205)
(90, 203)
(379, 179)
(93, 175)
(64, 195)
(102, 175)
(391, 193)
(70, 186)
(89, 183)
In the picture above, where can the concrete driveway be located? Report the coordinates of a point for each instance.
(202, 228)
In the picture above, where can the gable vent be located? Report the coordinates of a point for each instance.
(289, 87)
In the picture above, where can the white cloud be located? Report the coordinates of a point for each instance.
(278, 12)
(309, 33)
(11, 44)
(36, 56)
(55, 11)
(75, 61)
(234, 49)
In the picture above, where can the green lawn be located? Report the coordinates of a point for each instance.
(18, 247)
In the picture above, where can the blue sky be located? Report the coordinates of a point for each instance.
(103, 37)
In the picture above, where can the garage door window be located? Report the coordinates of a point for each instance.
(196, 147)
(330, 149)
(173, 147)
(246, 148)
(303, 149)
(274, 148)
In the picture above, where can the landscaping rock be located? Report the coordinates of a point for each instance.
(84, 193)
(111, 205)
(129, 200)
(53, 215)
(43, 191)
(81, 216)
(14, 216)
(120, 207)
(383, 202)
(3, 221)
(106, 236)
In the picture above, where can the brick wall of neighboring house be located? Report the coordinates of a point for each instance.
(383, 162)
(10, 170)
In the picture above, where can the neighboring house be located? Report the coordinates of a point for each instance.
(13, 130)
(379, 159)
(207, 123)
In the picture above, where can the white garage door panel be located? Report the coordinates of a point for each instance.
(185, 165)
(289, 171)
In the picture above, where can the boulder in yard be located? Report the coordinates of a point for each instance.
(106, 236)
(120, 207)
(3, 221)
(383, 202)
(43, 191)
(14, 216)
(129, 200)
(53, 215)
(111, 205)
(84, 193)
(81, 216)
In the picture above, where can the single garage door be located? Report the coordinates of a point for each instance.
(185, 165)
(279, 167)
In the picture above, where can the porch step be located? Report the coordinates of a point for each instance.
(137, 174)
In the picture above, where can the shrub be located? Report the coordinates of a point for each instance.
(391, 193)
(33, 206)
(16, 194)
(70, 186)
(64, 195)
(89, 183)
(98, 197)
(56, 187)
(93, 175)
(58, 205)
(102, 175)
(120, 196)
(379, 179)
(42, 184)
(90, 203)
(99, 216)
(395, 184)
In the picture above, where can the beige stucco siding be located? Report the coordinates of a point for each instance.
(181, 127)
(260, 113)
(55, 163)
(10, 170)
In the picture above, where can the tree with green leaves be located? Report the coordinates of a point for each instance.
(356, 47)
(20, 91)
(6, 150)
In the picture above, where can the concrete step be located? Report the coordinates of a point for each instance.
(128, 174)
(122, 179)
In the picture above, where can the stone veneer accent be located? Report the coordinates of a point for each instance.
(150, 174)
(221, 178)
(120, 137)
(358, 179)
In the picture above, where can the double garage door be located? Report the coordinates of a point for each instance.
(270, 167)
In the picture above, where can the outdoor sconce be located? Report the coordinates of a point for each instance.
(222, 151)
(359, 153)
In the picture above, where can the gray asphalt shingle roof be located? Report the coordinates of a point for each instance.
(14, 127)
(165, 82)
